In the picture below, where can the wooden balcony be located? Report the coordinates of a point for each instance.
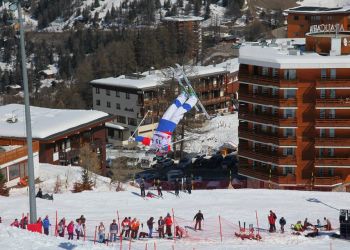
(331, 141)
(273, 82)
(17, 153)
(266, 157)
(328, 83)
(216, 100)
(201, 88)
(333, 123)
(266, 138)
(328, 181)
(267, 100)
(333, 162)
(333, 103)
(67, 156)
(267, 119)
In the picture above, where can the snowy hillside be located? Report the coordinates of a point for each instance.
(231, 205)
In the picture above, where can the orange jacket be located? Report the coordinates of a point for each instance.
(135, 224)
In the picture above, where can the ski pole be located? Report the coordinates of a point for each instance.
(143, 119)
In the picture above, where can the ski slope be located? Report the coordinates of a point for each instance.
(231, 205)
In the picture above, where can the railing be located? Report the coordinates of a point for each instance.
(328, 181)
(201, 88)
(267, 157)
(333, 161)
(331, 141)
(266, 138)
(330, 122)
(17, 153)
(216, 100)
(267, 100)
(267, 119)
(333, 83)
(339, 102)
(66, 156)
(277, 82)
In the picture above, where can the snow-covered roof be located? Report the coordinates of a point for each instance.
(182, 18)
(279, 57)
(45, 122)
(318, 10)
(153, 78)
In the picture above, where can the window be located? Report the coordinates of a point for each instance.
(97, 90)
(289, 93)
(273, 130)
(333, 74)
(275, 73)
(108, 104)
(117, 93)
(296, 18)
(108, 92)
(290, 74)
(264, 128)
(255, 90)
(132, 121)
(289, 113)
(288, 151)
(265, 71)
(14, 172)
(326, 152)
(288, 132)
(331, 132)
(323, 73)
(3, 172)
(288, 170)
(121, 119)
(274, 92)
(127, 95)
(274, 111)
(98, 102)
(332, 93)
(323, 94)
(265, 91)
(322, 113)
(263, 109)
(322, 132)
(331, 114)
(117, 105)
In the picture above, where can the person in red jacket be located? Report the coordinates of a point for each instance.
(272, 221)
(15, 223)
(70, 230)
(168, 223)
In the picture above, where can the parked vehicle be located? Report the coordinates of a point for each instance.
(172, 175)
(229, 162)
(184, 163)
(167, 162)
(215, 161)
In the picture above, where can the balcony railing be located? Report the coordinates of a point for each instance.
(328, 181)
(333, 161)
(267, 100)
(267, 157)
(266, 138)
(67, 156)
(332, 83)
(202, 88)
(267, 119)
(330, 122)
(17, 153)
(276, 82)
(331, 141)
(339, 102)
(216, 100)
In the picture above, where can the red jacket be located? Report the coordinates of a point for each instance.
(271, 219)
(168, 221)
(70, 228)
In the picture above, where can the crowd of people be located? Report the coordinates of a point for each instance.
(185, 184)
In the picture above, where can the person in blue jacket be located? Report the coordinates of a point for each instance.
(46, 225)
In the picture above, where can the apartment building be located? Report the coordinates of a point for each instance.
(294, 130)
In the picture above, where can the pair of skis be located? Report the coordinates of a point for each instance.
(183, 81)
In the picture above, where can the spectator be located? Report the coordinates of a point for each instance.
(159, 188)
(24, 222)
(168, 223)
(15, 223)
(70, 230)
(101, 233)
(78, 229)
(113, 231)
(125, 227)
(272, 221)
(161, 227)
(61, 227)
(298, 227)
(135, 225)
(198, 217)
(189, 185)
(39, 194)
(150, 223)
(46, 225)
(142, 188)
(282, 224)
(177, 187)
(327, 225)
(306, 224)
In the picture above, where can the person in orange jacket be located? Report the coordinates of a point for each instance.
(168, 223)
(135, 225)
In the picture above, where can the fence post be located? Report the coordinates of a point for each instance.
(107, 239)
(56, 226)
(146, 247)
(85, 233)
(172, 210)
(154, 246)
(118, 221)
(95, 235)
(130, 243)
(220, 228)
(121, 242)
(257, 222)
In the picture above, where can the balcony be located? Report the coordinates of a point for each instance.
(333, 103)
(267, 81)
(267, 100)
(215, 100)
(333, 123)
(333, 162)
(67, 156)
(267, 119)
(210, 87)
(17, 153)
(328, 83)
(331, 141)
(266, 138)
(267, 157)
(328, 181)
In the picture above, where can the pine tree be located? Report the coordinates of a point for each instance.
(4, 191)
(97, 3)
(207, 11)
(197, 7)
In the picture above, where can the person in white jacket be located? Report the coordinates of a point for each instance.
(78, 229)
(101, 232)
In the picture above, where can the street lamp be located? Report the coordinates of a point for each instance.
(16, 4)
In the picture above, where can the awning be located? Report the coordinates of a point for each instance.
(115, 126)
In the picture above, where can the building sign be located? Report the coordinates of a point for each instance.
(325, 28)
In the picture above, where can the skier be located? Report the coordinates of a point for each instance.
(159, 188)
(161, 227)
(198, 217)
(189, 185)
(113, 231)
(15, 223)
(101, 233)
(282, 224)
(150, 223)
(161, 140)
(61, 227)
(168, 223)
(142, 188)
(177, 187)
(272, 220)
(70, 230)
(46, 225)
